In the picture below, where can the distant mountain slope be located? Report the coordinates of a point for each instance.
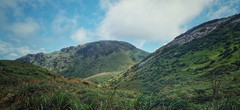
(89, 59)
(102, 77)
(204, 60)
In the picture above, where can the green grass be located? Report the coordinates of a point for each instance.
(89, 59)
(57, 92)
(186, 72)
(203, 74)
(22, 88)
(102, 77)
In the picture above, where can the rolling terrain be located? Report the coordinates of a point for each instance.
(199, 69)
(24, 86)
(89, 59)
(199, 66)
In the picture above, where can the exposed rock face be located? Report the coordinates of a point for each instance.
(145, 61)
(31, 57)
(195, 33)
(203, 30)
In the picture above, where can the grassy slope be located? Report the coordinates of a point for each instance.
(187, 71)
(102, 77)
(89, 59)
(25, 86)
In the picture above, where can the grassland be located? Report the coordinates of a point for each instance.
(102, 77)
(25, 86)
(204, 73)
(89, 59)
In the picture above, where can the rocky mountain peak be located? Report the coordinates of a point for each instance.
(203, 30)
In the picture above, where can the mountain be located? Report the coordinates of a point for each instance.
(199, 66)
(89, 59)
(199, 69)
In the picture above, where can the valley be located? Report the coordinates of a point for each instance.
(199, 69)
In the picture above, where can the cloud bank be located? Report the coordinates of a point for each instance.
(148, 20)
(24, 29)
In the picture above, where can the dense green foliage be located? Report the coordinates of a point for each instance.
(201, 71)
(89, 59)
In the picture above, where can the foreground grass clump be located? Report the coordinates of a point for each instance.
(48, 95)
(57, 100)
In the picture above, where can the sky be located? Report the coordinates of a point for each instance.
(33, 26)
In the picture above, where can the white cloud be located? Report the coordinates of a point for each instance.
(148, 20)
(222, 8)
(42, 49)
(222, 11)
(14, 21)
(80, 36)
(13, 55)
(4, 48)
(11, 6)
(24, 29)
(63, 24)
(16, 7)
(10, 51)
(106, 4)
(139, 43)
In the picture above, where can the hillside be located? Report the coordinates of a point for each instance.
(24, 86)
(89, 59)
(199, 66)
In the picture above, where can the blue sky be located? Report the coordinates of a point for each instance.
(32, 26)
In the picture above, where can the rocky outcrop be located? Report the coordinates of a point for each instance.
(203, 30)
(195, 33)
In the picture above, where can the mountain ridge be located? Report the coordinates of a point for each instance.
(181, 70)
(89, 59)
(195, 33)
(202, 72)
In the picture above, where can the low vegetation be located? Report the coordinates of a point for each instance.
(102, 77)
(89, 59)
(203, 74)
(24, 86)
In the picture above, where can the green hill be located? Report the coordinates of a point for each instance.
(24, 86)
(89, 59)
(12, 72)
(196, 68)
